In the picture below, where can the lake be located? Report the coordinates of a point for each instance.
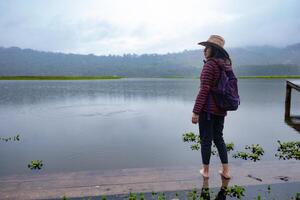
(128, 123)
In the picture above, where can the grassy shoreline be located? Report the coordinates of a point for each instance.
(59, 77)
(242, 77)
(119, 77)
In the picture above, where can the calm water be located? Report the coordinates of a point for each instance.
(114, 124)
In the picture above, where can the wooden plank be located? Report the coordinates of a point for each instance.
(108, 182)
(288, 101)
(295, 84)
(294, 122)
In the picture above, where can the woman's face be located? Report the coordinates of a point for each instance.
(207, 52)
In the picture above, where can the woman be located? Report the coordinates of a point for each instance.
(205, 112)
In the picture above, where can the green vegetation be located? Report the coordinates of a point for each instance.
(119, 77)
(235, 191)
(297, 197)
(256, 151)
(269, 77)
(191, 137)
(14, 138)
(59, 77)
(64, 198)
(229, 146)
(35, 164)
(288, 150)
(285, 151)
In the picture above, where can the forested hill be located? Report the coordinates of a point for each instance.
(258, 60)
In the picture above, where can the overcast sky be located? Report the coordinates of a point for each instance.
(105, 27)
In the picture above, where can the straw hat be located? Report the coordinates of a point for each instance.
(215, 41)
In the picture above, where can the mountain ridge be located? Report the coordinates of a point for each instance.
(254, 60)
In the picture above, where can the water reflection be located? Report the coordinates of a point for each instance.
(205, 192)
(127, 123)
(293, 121)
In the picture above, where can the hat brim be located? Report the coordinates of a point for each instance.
(214, 45)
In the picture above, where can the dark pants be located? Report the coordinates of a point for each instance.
(212, 130)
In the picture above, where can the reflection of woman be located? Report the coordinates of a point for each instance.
(205, 193)
(205, 112)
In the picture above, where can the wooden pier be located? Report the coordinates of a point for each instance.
(293, 121)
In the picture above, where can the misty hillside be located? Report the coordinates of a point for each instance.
(256, 60)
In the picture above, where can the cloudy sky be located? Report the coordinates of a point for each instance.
(105, 27)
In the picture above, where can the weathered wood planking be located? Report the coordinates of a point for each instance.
(290, 84)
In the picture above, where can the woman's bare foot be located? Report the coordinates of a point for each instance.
(224, 174)
(225, 171)
(204, 173)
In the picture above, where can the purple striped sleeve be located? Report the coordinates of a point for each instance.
(207, 80)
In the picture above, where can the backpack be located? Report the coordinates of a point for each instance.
(225, 92)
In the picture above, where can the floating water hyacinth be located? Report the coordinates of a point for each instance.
(35, 164)
(229, 146)
(14, 138)
(288, 150)
(235, 191)
(256, 152)
(65, 198)
(191, 137)
(193, 195)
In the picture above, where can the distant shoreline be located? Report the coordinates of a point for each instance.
(120, 77)
(59, 77)
(244, 77)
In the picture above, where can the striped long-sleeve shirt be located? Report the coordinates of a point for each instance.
(208, 79)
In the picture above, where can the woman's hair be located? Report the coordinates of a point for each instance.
(218, 53)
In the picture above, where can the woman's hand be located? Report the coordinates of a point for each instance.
(195, 118)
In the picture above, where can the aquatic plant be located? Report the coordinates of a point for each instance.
(142, 196)
(297, 196)
(64, 198)
(235, 191)
(35, 164)
(161, 196)
(132, 196)
(191, 137)
(13, 138)
(258, 197)
(193, 195)
(269, 188)
(288, 150)
(176, 195)
(204, 194)
(229, 147)
(256, 152)
(153, 195)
